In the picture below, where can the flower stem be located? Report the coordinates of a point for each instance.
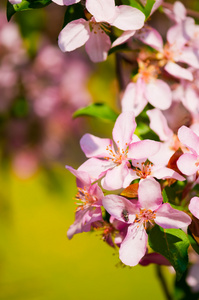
(163, 282)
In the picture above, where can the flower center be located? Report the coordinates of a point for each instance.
(99, 27)
(144, 217)
(84, 199)
(170, 52)
(147, 72)
(144, 169)
(119, 156)
(175, 143)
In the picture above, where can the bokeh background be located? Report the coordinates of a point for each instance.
(40, 89)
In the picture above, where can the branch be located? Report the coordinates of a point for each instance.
(190, 12)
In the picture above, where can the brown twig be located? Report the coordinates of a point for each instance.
(190, 12)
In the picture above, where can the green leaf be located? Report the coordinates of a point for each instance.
(148, 7)
(98, 110)
(172, 244)
(25, 5)
(193, 242)
(137, 4)
(164, 195)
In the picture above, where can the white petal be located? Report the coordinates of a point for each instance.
(74, 35)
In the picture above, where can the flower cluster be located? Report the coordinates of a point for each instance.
(140, 189)
(124, 185)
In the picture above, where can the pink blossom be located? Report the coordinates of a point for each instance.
(145, 169)
(93, 32)
(188, 163)
(89, 203)
(174, 51)
(147, 89)
(148, 210)
(113, 162)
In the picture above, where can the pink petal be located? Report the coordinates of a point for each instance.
(98, 45)
(164, 172)
(133, 248)
(151, 37)
(83, 179)
(168, 217)
(83, 221)
(115, 206)
(123, 129)
(66, 2)
(158, 94)
(96, 168)
(175, 35)
(143, 149)
(194, 207)
(187, 164)
(179, 11)
(123, 37)
(115, 177)
(15, 1)
(74, 35)
(162, 157)
(149, 194)
(177, 71)
(94, 146)
(132, 175)
(158, 123)
(128, 18)
(133, 98)
(189, 56)
(102, 10)
(189, 139)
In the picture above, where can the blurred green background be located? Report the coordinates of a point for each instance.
(39, 262)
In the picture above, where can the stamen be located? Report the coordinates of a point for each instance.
(85, 199)
(144, 217)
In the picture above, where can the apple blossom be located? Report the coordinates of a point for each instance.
(148, 210)
(145, 169)
(146, 89)
(89, 203)
(93, 32)
(113, 162)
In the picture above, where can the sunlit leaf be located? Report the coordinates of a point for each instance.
(131, 191)
(25, 5)
(172, 244)
(97, 110)
(148, 7)
(137, 4)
